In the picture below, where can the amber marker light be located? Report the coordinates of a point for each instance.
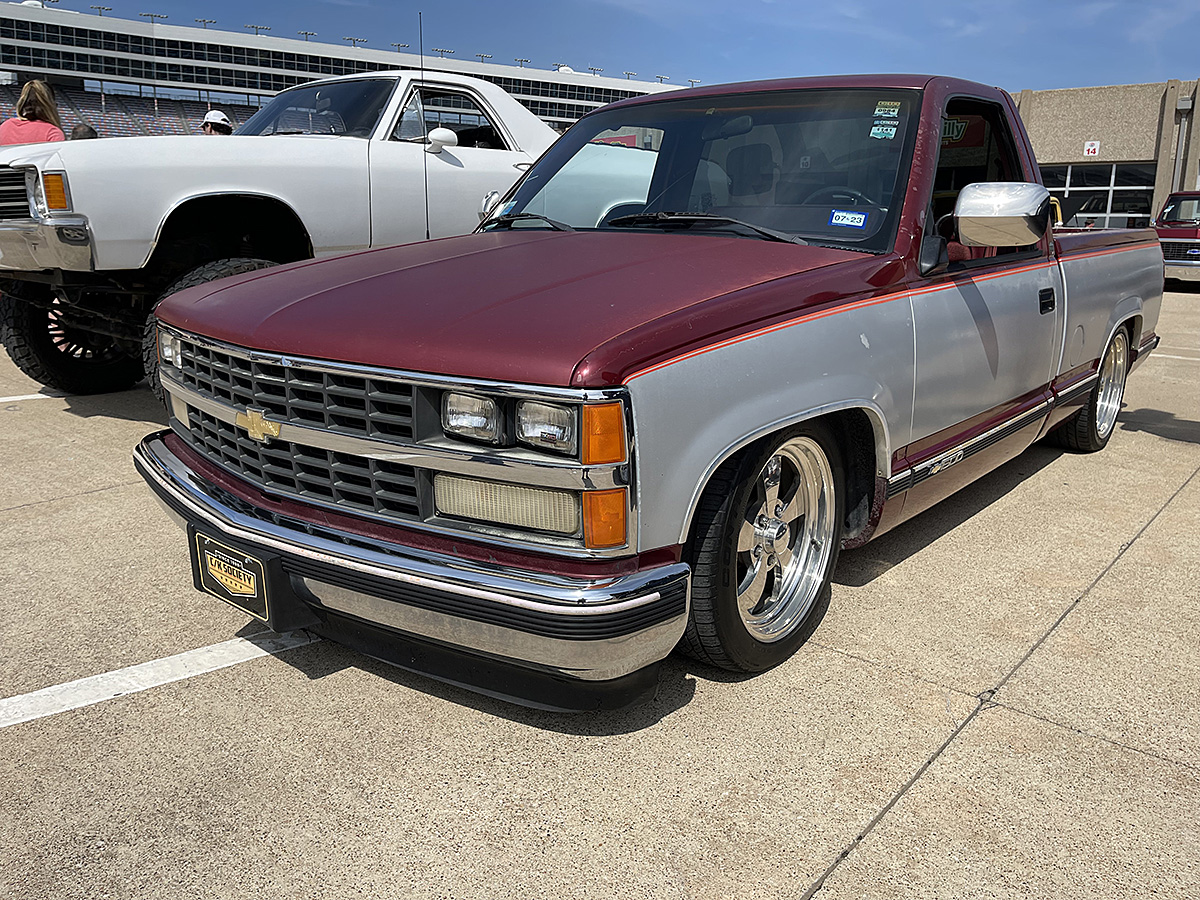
(56, 192)
(603, 434)
(604, 518)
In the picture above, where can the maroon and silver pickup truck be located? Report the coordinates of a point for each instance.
(1178, 227)
(709, 340)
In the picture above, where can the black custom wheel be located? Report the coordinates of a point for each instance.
(1089, 429)
(221, 268)
(763, 549)
(46, 346)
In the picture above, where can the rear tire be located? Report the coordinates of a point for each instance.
(221, 268)
(763, 550)
(1089, 429)
(60, 356)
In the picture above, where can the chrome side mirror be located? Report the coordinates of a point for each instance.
(490, 199)
(1002, 214)
(439, 138)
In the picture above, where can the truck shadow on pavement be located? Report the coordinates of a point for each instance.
(675, 690)
(137, 404)
(1163, 424)
(858, 568)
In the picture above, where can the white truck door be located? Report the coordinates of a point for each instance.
(458, 176)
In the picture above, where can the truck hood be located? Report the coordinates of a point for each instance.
(1178, 232)
(525, 307)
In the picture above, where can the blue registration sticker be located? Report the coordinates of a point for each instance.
(848, 219)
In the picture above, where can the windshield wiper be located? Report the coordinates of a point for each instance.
(508, 220)
(689, 218)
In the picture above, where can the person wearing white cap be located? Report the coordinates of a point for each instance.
(216, 122)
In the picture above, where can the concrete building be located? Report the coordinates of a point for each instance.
(1113, 154)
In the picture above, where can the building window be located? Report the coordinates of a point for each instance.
(1103, 196)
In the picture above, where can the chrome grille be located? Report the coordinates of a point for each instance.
(351, 482)
(1187, 251)
(340, 403)
(14, 202)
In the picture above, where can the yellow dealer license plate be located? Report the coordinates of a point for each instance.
(235, 577)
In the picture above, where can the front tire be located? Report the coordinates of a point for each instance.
(1088, 430)
(763, 551)
(46, 347)
(221, 268)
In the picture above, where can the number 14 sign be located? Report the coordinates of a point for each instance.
(1091, 148)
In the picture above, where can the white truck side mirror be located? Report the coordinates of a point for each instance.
(439, 138)
(1002, 214)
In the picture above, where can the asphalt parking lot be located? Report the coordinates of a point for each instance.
(1001, 702)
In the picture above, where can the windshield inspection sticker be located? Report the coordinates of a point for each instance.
(884, 130)
(848, 219)
(890, 108)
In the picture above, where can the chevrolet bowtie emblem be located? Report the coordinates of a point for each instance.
(257, 425)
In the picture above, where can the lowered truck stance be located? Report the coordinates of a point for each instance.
(708, 341)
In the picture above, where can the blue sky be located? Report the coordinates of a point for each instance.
(1015, 44)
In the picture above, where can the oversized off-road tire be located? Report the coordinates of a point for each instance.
(60, 356)
(763, 549)
(221, 268)
(1089, 429)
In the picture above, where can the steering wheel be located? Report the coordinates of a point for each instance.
(835, 190)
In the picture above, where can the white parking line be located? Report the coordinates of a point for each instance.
(98, 688)
(21, 397)
(1168, 356)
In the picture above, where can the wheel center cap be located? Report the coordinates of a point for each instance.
(769, 531)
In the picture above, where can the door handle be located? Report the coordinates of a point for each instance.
(1046, 300)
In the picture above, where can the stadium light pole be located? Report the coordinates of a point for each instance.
(100, 11)
(307, 35)
(441, 51)
(483, 56)
(692, 82)
(662, 78)
(628, 75)
(398, 47)
(258, 28)
(520, 62)
(204, 23)
(354, 42)
(152, 16)
(595, 70)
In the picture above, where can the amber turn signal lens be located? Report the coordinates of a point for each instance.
(56, 192)
(604, 518)
(603, 434)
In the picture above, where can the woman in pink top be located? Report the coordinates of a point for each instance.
(36, 119)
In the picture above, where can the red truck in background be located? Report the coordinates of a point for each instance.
(1178, 227)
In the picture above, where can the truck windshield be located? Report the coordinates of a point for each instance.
(820, 166)
(350, 108)
(1181, 209)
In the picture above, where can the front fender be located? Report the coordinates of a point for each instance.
(693, 414)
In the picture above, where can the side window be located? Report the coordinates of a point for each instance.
(431, 108)
(976, 146)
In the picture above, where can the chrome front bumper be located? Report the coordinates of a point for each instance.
(27, 245)
(584, 631)
(1182, 271)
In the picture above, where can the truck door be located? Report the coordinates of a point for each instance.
(986, 329)
(458, 177)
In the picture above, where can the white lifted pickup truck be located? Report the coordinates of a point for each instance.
(94, 233)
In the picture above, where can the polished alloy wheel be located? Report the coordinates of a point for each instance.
(785, 540)
(1111, 388)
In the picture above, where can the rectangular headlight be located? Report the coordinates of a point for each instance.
(507, 504)
(170, 353)
(471, 416)
(547, 427)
